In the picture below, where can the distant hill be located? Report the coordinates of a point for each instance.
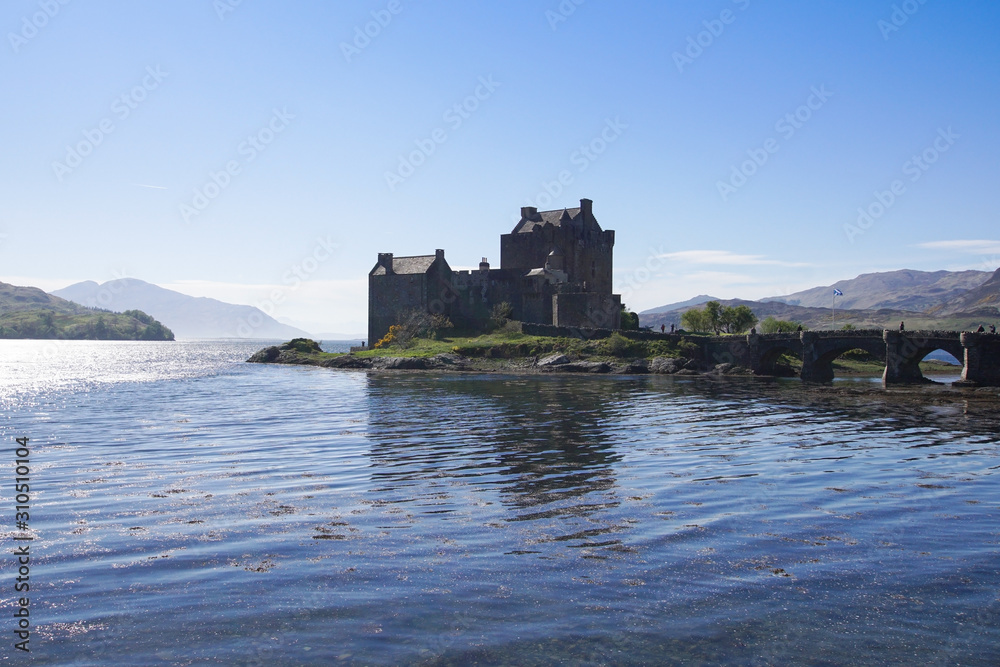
(187, 316)
(696, 301)
(822, 318)
(961, 300)
(898, 290)
(984, 299)
(28, 312)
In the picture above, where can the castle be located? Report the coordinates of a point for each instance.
(555, 268)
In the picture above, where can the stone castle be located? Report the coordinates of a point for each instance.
(555, 268)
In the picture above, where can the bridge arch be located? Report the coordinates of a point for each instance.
(907, 349)
(766, 349)
(821, 349)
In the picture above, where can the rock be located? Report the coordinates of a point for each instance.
(265, 356)
(401, 363)
(586, 367)
(447, 359)
(637, 367)
(665, 365)
(553, 360)
(722, 369)
(347, 361)
(687, 371)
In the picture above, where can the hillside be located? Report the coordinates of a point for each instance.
(984, 299)
(696, 301)
(897, 290)
(28, 312)
(187, 316)
(961, 300)
(822, 318)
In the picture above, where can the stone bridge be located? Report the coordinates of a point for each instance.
(901, 352)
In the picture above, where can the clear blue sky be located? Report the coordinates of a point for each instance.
(666, 120)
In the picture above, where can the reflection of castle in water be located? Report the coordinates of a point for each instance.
(528, 433)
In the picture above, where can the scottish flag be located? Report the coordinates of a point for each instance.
(837, 292)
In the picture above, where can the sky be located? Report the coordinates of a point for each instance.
(265, 152)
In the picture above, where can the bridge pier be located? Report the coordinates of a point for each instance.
(982, 360)
(902, 361)
(816, 367)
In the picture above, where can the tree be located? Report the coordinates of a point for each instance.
(500, 314)
(713, 316)
(630, 320)
(695, 320)
(737, 319)
(716, 318)
(771, 325)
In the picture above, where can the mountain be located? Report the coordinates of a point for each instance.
(924, 300)
(187, 316)
(28, 312)
(696, 301)
(984, 299)
(898, 290)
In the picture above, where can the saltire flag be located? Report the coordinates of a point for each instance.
(837, 292)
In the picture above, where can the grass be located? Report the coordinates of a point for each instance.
(513, 345)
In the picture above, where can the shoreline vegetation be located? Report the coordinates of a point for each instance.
(515, 352)
(87, 324)
(28, 313)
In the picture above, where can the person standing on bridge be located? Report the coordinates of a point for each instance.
(902, 327)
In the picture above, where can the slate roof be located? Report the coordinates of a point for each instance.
(411, 265)
(557, 218)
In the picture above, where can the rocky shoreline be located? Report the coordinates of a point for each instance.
(552, 363)
(307, 353)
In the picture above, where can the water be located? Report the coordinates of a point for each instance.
(192, 509)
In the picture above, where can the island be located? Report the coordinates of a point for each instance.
(28, 312)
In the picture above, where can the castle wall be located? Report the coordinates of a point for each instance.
(586, 309)
(588, 254)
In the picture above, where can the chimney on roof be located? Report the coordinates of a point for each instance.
(484, 266)
(587, 208)
(439, 254)
(528, 212)
(385, 259)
